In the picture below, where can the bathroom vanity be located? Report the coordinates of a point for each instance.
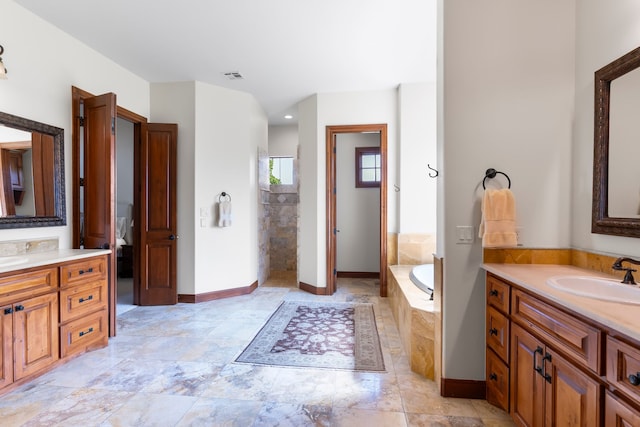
(53, 306)
(555, 358)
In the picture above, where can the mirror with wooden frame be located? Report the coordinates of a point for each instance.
(616, 161)
(32, 173)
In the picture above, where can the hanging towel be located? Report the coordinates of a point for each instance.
(224, 214)
(498, 226)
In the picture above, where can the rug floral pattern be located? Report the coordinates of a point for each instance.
(318, 335)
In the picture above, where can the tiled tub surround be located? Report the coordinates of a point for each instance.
(416, 248)
(415, 318)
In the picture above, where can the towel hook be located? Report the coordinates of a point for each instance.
(435, 170)
(491, 173)
(223, 194)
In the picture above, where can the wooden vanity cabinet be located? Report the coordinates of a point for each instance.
(29, 325)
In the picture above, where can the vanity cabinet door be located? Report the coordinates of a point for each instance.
(619, 414)
(6, 338)
(527, 385)
(35, 329)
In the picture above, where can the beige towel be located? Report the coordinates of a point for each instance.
(498, 226)
(224, 214)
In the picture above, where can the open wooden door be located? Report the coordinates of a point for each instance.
(98, 183)
(157, 178)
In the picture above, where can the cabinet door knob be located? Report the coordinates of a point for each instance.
(8, 310)
(19, 307)
(493, 331)
(493, 292)
(635, 379)
(493, 377)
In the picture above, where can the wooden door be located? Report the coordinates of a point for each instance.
(6, 345)
(572, 397)
(36, 334)
(527, 385)
(157, 175)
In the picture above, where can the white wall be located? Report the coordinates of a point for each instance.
(344, 108)
(417, 143)
(605, 31)
(43, 64)
(283, 141)
(506, 102)
(357, 209)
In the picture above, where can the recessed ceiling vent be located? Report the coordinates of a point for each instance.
(234, 75)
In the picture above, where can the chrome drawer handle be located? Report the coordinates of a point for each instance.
(89, 298)
(635, 379)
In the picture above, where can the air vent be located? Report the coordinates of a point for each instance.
(234, 75)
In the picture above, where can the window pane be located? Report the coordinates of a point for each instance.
(377, 160)
(368, 161)
(282, 169)
(368, 175)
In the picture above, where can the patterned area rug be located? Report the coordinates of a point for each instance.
(318, 335)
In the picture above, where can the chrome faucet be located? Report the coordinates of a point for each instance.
(628, 276)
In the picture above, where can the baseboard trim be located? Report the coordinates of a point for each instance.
(211, 296)
(467, 389)
(359, 274)
(312, 289)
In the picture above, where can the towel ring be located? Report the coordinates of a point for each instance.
(491, 173)
(223, 194)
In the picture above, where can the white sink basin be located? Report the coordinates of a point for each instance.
(597, 288)
(7, 261)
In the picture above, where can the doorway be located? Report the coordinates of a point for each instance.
(332, 133)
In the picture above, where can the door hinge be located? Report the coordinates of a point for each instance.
(113, 125)
(81, 120)
(335, 272)
(81, 182)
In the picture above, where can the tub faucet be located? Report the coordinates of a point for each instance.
(628, 276)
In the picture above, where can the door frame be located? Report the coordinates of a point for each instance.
(77, 97)
(331, 251)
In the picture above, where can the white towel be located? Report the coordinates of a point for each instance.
(224, 214)
(498, 226)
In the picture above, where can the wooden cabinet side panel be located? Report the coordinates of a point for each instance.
(36, 335)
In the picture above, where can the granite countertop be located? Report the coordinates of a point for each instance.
(621, 317)
(37, 259)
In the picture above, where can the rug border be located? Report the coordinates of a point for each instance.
(377, 340)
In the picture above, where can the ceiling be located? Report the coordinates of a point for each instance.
(285, 50)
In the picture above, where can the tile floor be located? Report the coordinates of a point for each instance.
(172, 366)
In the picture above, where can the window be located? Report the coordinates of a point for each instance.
(281, 170)
(368, 168)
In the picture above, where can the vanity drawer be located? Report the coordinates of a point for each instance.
(579, 341)
(497, 381)
(17, 286)
(79, 300)
(83, 271)
(623, 367)
(498, 294)
(87, 333)
(497, 333)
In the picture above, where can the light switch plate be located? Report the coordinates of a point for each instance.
(464, 234)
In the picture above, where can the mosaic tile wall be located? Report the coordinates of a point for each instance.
(283, 228)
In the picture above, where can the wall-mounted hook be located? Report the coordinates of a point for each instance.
(396, 188)
(432, 175)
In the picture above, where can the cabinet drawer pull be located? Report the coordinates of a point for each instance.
(89, 298)
(493, 292)
(88, 331)
(19, 307)
(635, 379)
(493, 331)
(8, 310)
(90, 270)
(493, 377)
(546, 376)
(537, 368)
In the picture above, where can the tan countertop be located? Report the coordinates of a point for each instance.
(38, 259)
(624, 318)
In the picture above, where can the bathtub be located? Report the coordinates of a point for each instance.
(422, 277)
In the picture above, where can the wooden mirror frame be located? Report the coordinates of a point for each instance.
(59, 218)
(601, 222)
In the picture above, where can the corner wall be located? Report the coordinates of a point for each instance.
(505, 102)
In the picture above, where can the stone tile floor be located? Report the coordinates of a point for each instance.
(172, 366)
